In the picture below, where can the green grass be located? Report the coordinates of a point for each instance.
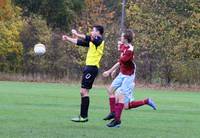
(44, 110)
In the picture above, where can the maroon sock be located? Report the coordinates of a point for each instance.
(135, 104)
(118, 111)
(112, 104)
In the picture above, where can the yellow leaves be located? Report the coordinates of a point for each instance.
(42, 29)
(10, 27)
(136, 8)
(172, 32)
(169, 31)
(133, 9)
(6, 11)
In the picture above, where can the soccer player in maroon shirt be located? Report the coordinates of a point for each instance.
(121, 89)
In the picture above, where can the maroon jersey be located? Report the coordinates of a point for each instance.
(126, 59)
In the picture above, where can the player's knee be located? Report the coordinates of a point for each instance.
(110, 91)
(120, 98)
(126, 107)
(84, 92)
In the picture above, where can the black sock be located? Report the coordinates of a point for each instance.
(85, 101)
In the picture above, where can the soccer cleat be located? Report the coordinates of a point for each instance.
(114, 124)
(151, 103)
(110, 116)
(79, 119)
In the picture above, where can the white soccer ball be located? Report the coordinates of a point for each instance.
(39, 49)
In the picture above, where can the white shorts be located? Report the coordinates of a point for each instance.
(124, 84)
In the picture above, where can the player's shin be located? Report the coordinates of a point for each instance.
(135, 104)
(85, 101)
(84, 106)
(119, 107)
(112, 104)
(111, 99)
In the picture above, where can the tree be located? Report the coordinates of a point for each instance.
(10, 45)
(168, 33)
(58, 13)
(98, 12)
(35, 31)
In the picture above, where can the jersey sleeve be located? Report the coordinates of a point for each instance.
(85, 42)
(82, 43)
(87, 38)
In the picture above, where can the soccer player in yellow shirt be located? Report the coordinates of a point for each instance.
(95, 44)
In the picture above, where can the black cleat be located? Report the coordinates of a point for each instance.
(114, 124)
(110, 116)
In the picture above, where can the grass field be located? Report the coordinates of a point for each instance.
(44, 110)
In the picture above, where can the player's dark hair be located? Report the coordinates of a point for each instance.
(99, 28)
(128, 35)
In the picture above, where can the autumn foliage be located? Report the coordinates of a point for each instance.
(167, 42)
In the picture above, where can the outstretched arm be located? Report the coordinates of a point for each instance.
(74, 32)
(73, 40)
(70, 39)
(111, 70)
(76, 41)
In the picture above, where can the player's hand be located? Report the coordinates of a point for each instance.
(106, 73)
(74, 32)
(64, 37)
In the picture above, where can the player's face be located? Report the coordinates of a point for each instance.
(94, 32)
(122, 39)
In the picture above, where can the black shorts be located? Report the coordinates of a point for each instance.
(89, 75)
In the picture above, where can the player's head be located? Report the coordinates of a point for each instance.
(97, 30)
(127, 36)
